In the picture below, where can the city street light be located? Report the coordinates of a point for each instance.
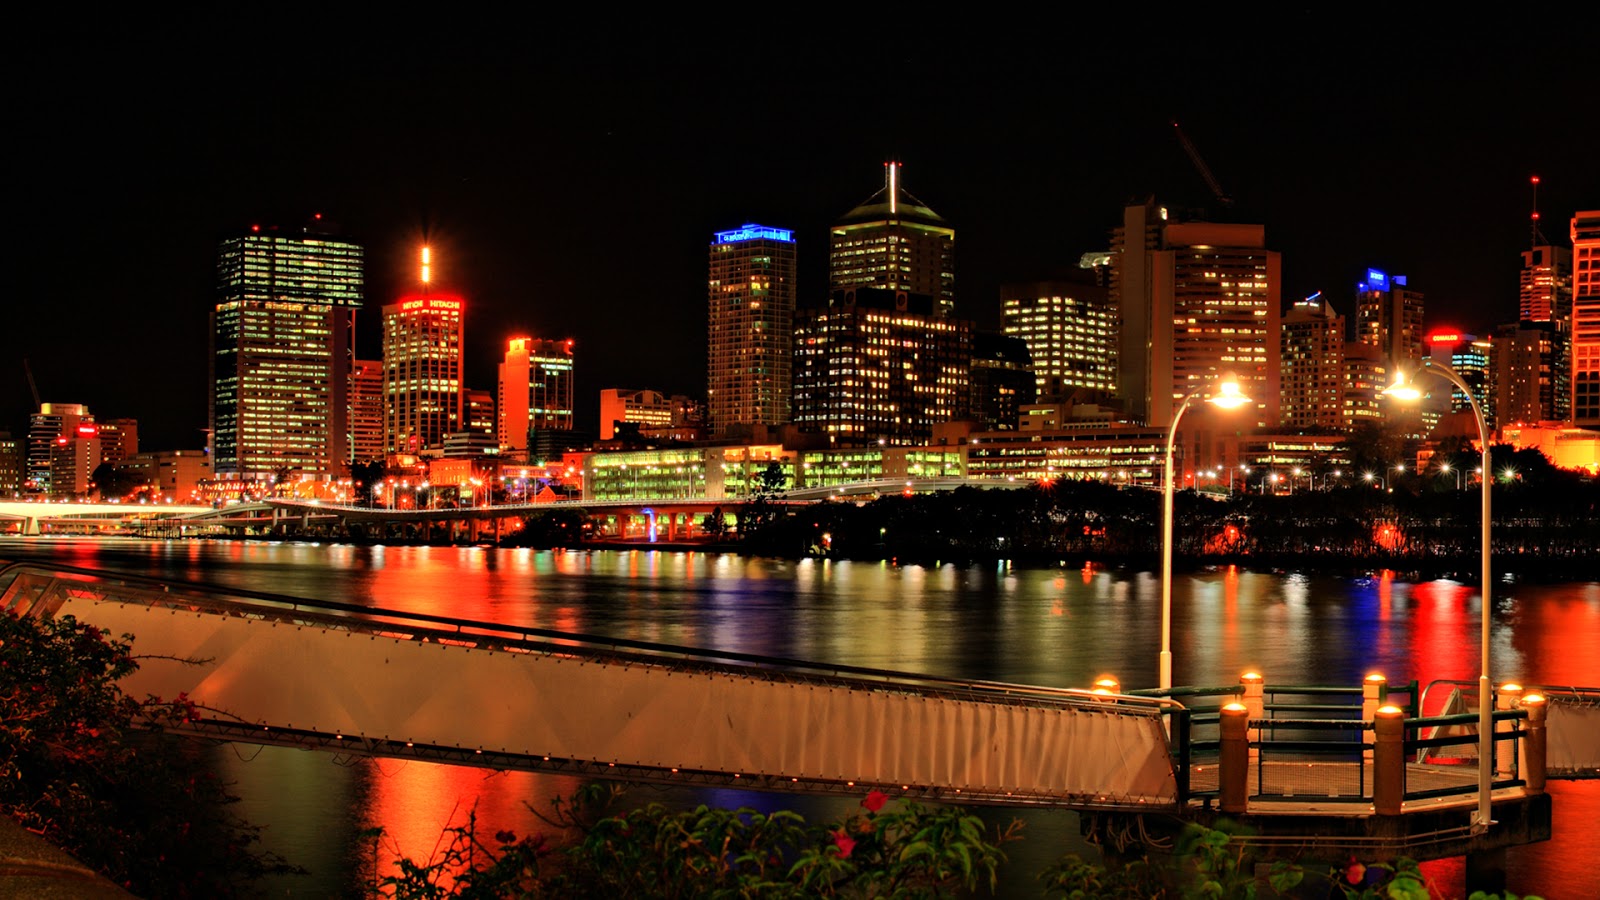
(1402, 389)
(1227, 397)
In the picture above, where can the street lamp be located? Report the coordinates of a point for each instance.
(1402, 389)
(1227, 397)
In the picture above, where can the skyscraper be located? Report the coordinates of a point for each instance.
(1070, 330)
(1198, 300)
(893, 240)
(1312, 354)
(535, 391)
(750, 323)
(1585, 350)
(281, 345)
(876, 364)
(422, 360)
(366, 410)
(1389, 317)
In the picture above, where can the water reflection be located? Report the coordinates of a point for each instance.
(1046, 626)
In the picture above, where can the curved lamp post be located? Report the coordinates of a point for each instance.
(1402, 389)
(1228, 397)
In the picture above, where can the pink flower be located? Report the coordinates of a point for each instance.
(844, 842)
(875, 801)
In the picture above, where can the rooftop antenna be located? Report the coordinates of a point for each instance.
(1535, 235)
(894, 186)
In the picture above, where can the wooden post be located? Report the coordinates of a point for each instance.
(1255, 702)
(1371, 698)
(1533, 743)
(1233, 777)
(1389, 761)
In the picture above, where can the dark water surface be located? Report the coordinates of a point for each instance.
(1038, 625)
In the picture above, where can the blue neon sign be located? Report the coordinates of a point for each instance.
(1377, 281)
(755, 233)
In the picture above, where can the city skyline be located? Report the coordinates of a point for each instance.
(576, 201)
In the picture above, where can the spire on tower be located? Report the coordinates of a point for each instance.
(1536, 236)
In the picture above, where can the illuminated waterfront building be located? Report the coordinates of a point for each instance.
(893, 240)
(73, 459)
(750, 326)
(1312, 355)
(1389, 317)
(13, 464)
(119, 439)
(422, 363)
(1197, 300)
(1070, 330)
(1585, 350)
(879, 365)
(654, 415)
(282, 332)
(172, 475)
(366, 410)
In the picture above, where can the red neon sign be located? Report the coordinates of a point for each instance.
(430, 304)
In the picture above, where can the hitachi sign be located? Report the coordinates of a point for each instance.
(429, 303)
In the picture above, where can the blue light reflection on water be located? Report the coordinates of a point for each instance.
(1051, 626)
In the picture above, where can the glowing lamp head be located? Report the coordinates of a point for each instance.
(1376, 678)
(1228, 394)
(1390, 711)
(1402, 389)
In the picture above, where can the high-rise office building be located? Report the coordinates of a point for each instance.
(1470, 358)
(1524, 357)
(73, 459)
(893, 240)
(1389, 317)
(750, 328)
(119, 440)
(366, 411)
(45, 427)
(1545, 284)
(1366, 375)
(1311, 350)
(1071, 333)
(535, 392)
(1197, 300)
(282, 333)
(13, 465)
(1585, 349)
(422, 363)
(879, 365)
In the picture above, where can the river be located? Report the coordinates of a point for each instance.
(1035, 625)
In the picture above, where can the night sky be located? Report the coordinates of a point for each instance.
(570, 178)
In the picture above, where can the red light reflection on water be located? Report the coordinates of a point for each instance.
(415, 802)
(1444, 623)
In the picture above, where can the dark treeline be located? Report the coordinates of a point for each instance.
(1544, 525)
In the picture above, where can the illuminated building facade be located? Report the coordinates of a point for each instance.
(536, 391)
(1366, 375)
(1116, 454)
(44, 427)
(1585, 350)
(1070, 330)
(879, 365)
(1470, 358)
(714, 473)
(172, 475)
(119, 439)
(73, 459)
(652, 414)
(1196, 300)
(422, 359)
(13, 464)
(750, 326)
(1001, 382)
(1545, 285)
(1389, 317)
(893, 240)
(282, 334)
(366, 410)
(1312, 353)
(1525, 357)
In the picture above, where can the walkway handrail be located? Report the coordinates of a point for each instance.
(374, 619)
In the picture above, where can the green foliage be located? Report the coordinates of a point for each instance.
(910, 851)
(86, 767)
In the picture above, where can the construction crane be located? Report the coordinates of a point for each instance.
(1200, 164)
(31, 386)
